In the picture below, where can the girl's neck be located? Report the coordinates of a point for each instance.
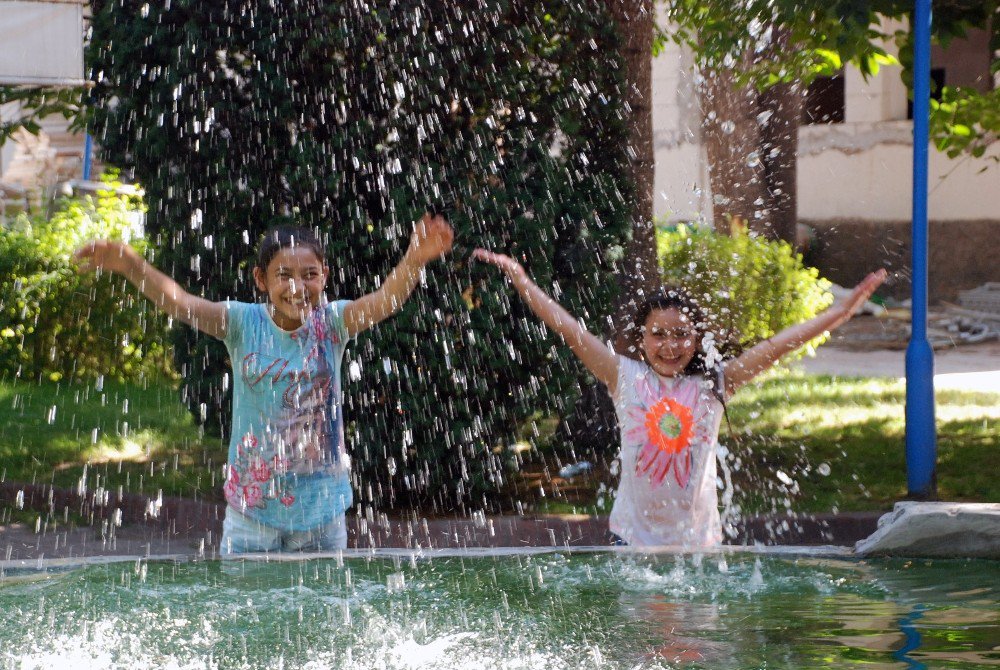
(281, 321)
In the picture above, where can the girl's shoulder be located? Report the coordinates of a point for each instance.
(332, 317)
(243, 319)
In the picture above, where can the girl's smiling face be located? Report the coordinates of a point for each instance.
(669, 341)
(294, 283)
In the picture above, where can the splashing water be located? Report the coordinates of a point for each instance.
(508, 610)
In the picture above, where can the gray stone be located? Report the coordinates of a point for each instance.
(936, 529)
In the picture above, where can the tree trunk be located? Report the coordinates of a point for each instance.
(780, 110)
(779, 146)
(639, 273)
(732, 140)
(751, 140)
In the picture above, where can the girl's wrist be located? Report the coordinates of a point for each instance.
(135, 265)
(414, 259)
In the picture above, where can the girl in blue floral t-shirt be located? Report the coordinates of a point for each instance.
(287, 481)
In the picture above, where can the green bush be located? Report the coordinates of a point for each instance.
(58, 324)
(753, 286)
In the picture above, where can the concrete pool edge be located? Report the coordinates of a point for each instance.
(31, 565)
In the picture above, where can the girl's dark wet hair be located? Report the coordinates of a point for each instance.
(284, 237)
(675, 297)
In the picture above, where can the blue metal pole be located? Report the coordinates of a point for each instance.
(921, 434)
(88, 149)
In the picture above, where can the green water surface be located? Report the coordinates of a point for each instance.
(546, 610)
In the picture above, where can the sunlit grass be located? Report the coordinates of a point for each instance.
(795, 422)
(132, 437)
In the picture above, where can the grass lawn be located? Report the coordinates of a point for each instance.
(799, 442)
(139, 438)
(841, 442)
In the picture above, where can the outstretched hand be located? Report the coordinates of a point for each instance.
(431, 239)
(852, 303)
(509, 266)
(110, 255)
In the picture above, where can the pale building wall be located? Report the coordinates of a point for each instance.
(41, 42)
(865, 171)
(8, 150)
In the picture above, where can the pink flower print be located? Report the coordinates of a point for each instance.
(247, 442)
(252, 495)
(260, 471)
(287, 499)
(663, 429)
(233, 485)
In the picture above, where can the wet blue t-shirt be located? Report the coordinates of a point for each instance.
(287, 465)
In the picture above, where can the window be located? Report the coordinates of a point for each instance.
(824, 101)
(937, 83)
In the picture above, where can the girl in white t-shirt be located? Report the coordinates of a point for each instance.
(670, 405)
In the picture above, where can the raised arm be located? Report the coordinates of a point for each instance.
(763, 355)
(431, 239)
(593, 353)
(166, 294)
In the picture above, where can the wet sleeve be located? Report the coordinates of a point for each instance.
(335, 319)
(628, 370)
(235, 323)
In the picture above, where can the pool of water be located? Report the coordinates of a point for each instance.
(581, 609)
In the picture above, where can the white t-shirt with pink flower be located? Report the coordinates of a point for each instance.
(669, 428)
(287, 465)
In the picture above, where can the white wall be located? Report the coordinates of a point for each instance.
(680, 183)
(7, 151)
(865, 171)
(41, 42)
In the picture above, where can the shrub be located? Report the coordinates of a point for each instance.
(59, 324)
(755, 287)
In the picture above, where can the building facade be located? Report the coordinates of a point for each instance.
(854, 178)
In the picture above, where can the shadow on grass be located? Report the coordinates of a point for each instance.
(137, 438)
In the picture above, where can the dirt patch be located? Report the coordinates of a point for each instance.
(868, 333)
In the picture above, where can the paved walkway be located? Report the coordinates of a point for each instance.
(974, 367)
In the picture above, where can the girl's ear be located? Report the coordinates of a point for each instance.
(260, 279)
